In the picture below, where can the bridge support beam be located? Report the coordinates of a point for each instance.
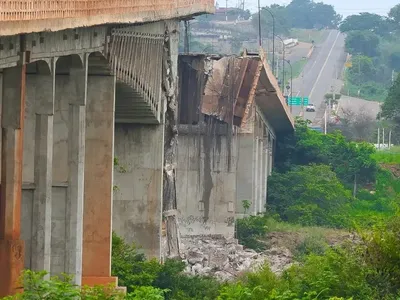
(99, 164)
(12, 123)
(76, 175)
(43, 167)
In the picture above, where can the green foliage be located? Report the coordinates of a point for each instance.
(315, 196)
(135, 272)
(391, 106)
(36, 287)
(347, 159)
(312, 244)
(365, 22)
(246, 205)
(298, 14)
(362, 70)
(282, 21)
(394, 15)
(310, 14)
(148, 293)
(250, 230)
(362, 43)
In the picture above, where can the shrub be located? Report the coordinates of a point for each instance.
(308, 195)
(37, 288)
(250, 230)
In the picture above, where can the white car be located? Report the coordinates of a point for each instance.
(310, 107)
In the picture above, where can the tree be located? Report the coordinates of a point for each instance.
(391, 106)
(325, 16)
(357, 125)
(308, 195)
(308, 14)
(282, 23)
(394, 16)
(365, 22)
(347, 159)
(362, 42)
(362, 70)
(394, 61)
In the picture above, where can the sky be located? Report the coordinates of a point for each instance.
(343, 7)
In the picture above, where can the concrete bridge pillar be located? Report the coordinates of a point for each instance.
(76, 175)
(12, 123)
(43, 165)
(99, 164)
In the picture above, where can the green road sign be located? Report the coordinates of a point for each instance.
(294, 101)
(298, 101)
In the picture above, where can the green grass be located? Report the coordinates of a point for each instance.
(297, 66)
(350, 89)
(308, 35)
(389, 156)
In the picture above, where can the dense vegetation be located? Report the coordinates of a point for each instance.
(373, 42)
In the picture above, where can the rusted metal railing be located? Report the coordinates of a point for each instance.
(27, 10)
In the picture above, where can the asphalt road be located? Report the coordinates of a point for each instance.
(319, 74)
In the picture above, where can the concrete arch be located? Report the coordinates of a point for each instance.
(98, 64)
(41, 67)
(66, 63)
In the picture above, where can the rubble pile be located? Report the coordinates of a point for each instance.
(225, 259)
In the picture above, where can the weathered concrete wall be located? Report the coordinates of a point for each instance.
(206, 184)
(255, 154)
(138, 185)
(138, 179)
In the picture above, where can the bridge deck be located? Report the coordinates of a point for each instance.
(26, 16)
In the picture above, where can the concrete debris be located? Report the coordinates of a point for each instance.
(226, 259)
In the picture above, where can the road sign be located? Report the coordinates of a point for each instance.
(294, 101)
(298, 101)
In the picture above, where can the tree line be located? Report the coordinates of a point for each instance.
(305, 14)
(373, 41)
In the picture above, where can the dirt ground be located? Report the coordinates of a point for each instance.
(355, 104)
(297, 53)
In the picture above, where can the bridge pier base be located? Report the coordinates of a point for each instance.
(12, 123)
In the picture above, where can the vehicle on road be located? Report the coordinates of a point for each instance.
(310, 107)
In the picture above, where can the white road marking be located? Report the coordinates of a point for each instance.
(323, 67)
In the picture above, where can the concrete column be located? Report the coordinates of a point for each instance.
(12, 123)
(265, 168)
(262, 176)
(255, 175)
(43, 165)
(76, 174)
(99, 165)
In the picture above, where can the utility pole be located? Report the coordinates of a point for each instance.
(379, 138)
(273, 31)
(283, 64)
(390, 138)
(259, 25)
(383, 137)
(226, 11)
(325, 122)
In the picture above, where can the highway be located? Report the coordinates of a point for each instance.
(319, 74)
